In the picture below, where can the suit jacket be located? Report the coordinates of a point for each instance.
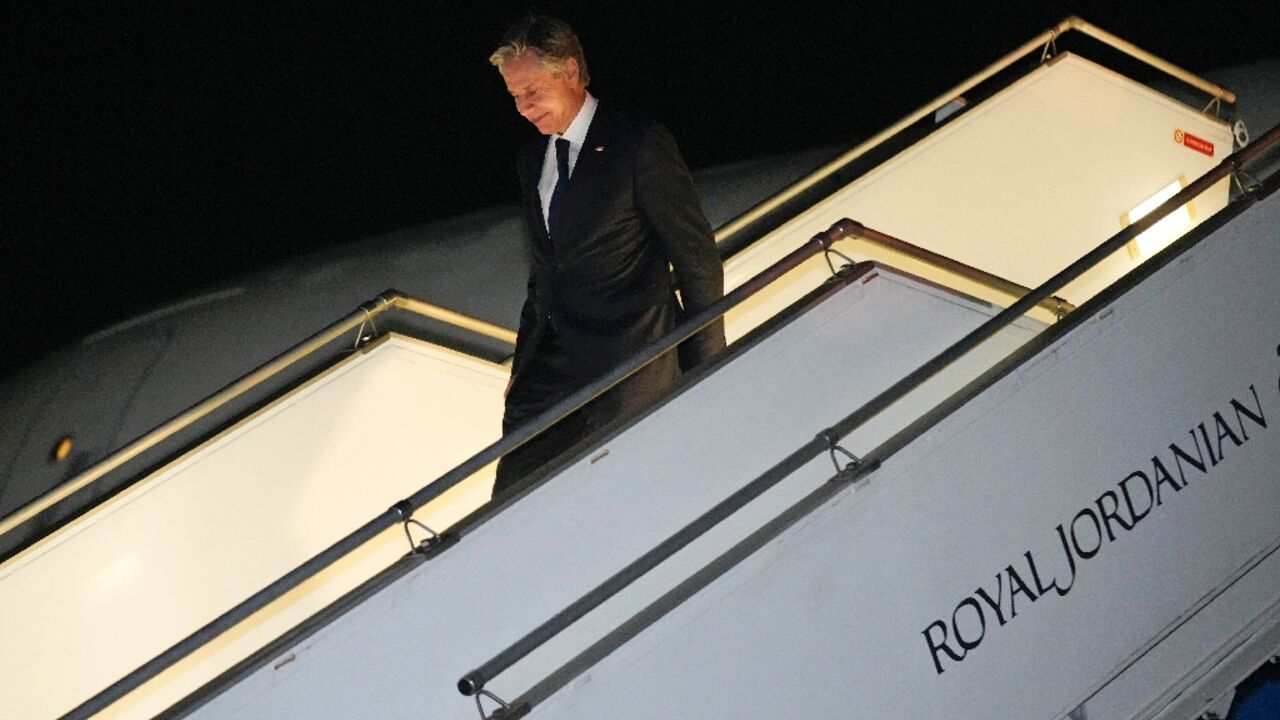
(632, 231)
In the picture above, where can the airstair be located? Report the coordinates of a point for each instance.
(995, 436)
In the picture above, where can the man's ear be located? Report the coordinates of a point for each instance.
(569, 69)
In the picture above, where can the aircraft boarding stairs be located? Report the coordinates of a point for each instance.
(1073, 517)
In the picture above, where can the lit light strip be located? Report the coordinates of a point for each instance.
(1169, 228)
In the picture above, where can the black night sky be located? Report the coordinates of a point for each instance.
(151, 149)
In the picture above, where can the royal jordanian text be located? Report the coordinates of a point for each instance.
(1138, 496)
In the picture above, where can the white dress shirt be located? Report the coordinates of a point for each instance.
(576, 134)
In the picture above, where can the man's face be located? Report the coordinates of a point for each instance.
(547, 101)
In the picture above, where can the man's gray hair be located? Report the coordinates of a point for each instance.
(550, 39)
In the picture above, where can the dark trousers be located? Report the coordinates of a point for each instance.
(545, 381)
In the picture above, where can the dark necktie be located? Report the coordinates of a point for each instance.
(562, 186)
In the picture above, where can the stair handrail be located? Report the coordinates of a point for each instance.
(1043, 40)
(403, 510)
(394, 299)
(827, 440)
(352, 322)
(1054, 304)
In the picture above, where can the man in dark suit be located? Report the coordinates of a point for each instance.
(614, 228)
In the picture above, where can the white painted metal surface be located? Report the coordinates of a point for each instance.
(1020, 185)
(400, 652)
(94, 601)
(1051, 549)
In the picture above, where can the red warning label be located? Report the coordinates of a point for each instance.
(1198, 144)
